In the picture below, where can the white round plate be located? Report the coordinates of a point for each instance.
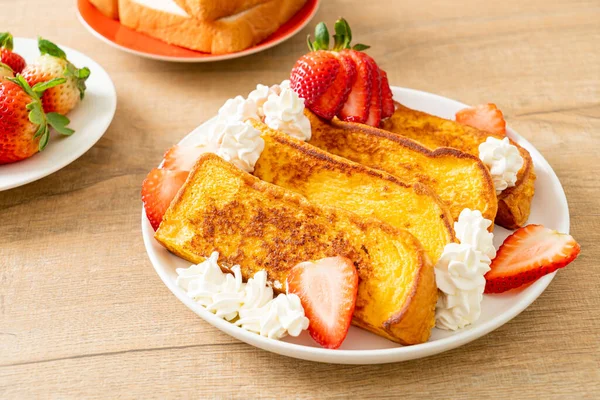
(549, 208)
(89, 119)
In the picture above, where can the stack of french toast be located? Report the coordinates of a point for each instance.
(285, 176)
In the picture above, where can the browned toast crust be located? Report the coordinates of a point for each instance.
(330, 180)
(433, 132)
(261, 226)
(461, 180)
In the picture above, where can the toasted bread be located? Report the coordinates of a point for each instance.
(261, 226)
(226, 35)
(433, 132)
(324, 178)
(210, 10)
(110, 8)
(459, 179)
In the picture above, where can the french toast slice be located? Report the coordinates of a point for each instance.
(261, 226)
(326, 179)
(459, 179)
(514, 204)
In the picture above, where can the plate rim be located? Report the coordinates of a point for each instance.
(73, 156)
(209, 58)
(369, 356)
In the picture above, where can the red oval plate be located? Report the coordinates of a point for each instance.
(116, 35)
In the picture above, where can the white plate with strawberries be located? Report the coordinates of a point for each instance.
(50, 123)
(549, 208)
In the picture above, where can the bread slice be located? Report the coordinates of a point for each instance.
(210, 10)
(167, 21)
(459, 179)
(326, 179)
(514, 204)
(110, 8)
(261, 226)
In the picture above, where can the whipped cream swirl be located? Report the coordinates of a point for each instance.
(460, 271)
(234, 141)
(238, 109)
(285, 112)
(503, 160)
(228, 297)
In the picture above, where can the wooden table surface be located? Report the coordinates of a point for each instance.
(83, 314)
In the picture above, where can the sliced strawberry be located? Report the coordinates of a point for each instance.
(313, 74)
(330, 102)
(528, 254)
(486, 117)
(356, 107)
(181, 158)
(158, 190)
(327, 289)
(387, 100)
(375, 110)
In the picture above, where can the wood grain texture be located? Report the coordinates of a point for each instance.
(83, 314)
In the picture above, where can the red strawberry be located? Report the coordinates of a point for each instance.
(158, 190)
(51, 64)
(7, 56)
(181, 158)
(327, 289)
(374, 117)
(387, 100)
(486, 117)
(356, 107)
(24, 127)
(528, 254)
(323, 81)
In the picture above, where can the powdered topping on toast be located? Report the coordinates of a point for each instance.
(227, 296)
(503, 160)
(460, 272)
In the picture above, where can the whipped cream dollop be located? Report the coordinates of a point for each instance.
(460, 272)
(252, 303)
(503, 160)
(234, 141)
(285, 112)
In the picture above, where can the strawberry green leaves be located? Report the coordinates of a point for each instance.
(36, 112)
(6, 41)
(80, 75)
(342, 37)
(47, 47)
(59, 122)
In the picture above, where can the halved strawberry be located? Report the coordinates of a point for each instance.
(158, 190)
(387, 99)
(356, 107)
(327, 289)
(374, 117)
(486, 117)
(181, 158)
(528, 254)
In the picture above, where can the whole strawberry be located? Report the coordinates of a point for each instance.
(53, 64)
(24, 127)
(342, 81)
(8, 56)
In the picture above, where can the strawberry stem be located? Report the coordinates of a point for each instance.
(342, 37)
(6, 41)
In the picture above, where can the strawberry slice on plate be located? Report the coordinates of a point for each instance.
(486, 117)
(181, 157)
(158, 190)
(356, 107)
(387, 99)
(327, 289)
(528, 254)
